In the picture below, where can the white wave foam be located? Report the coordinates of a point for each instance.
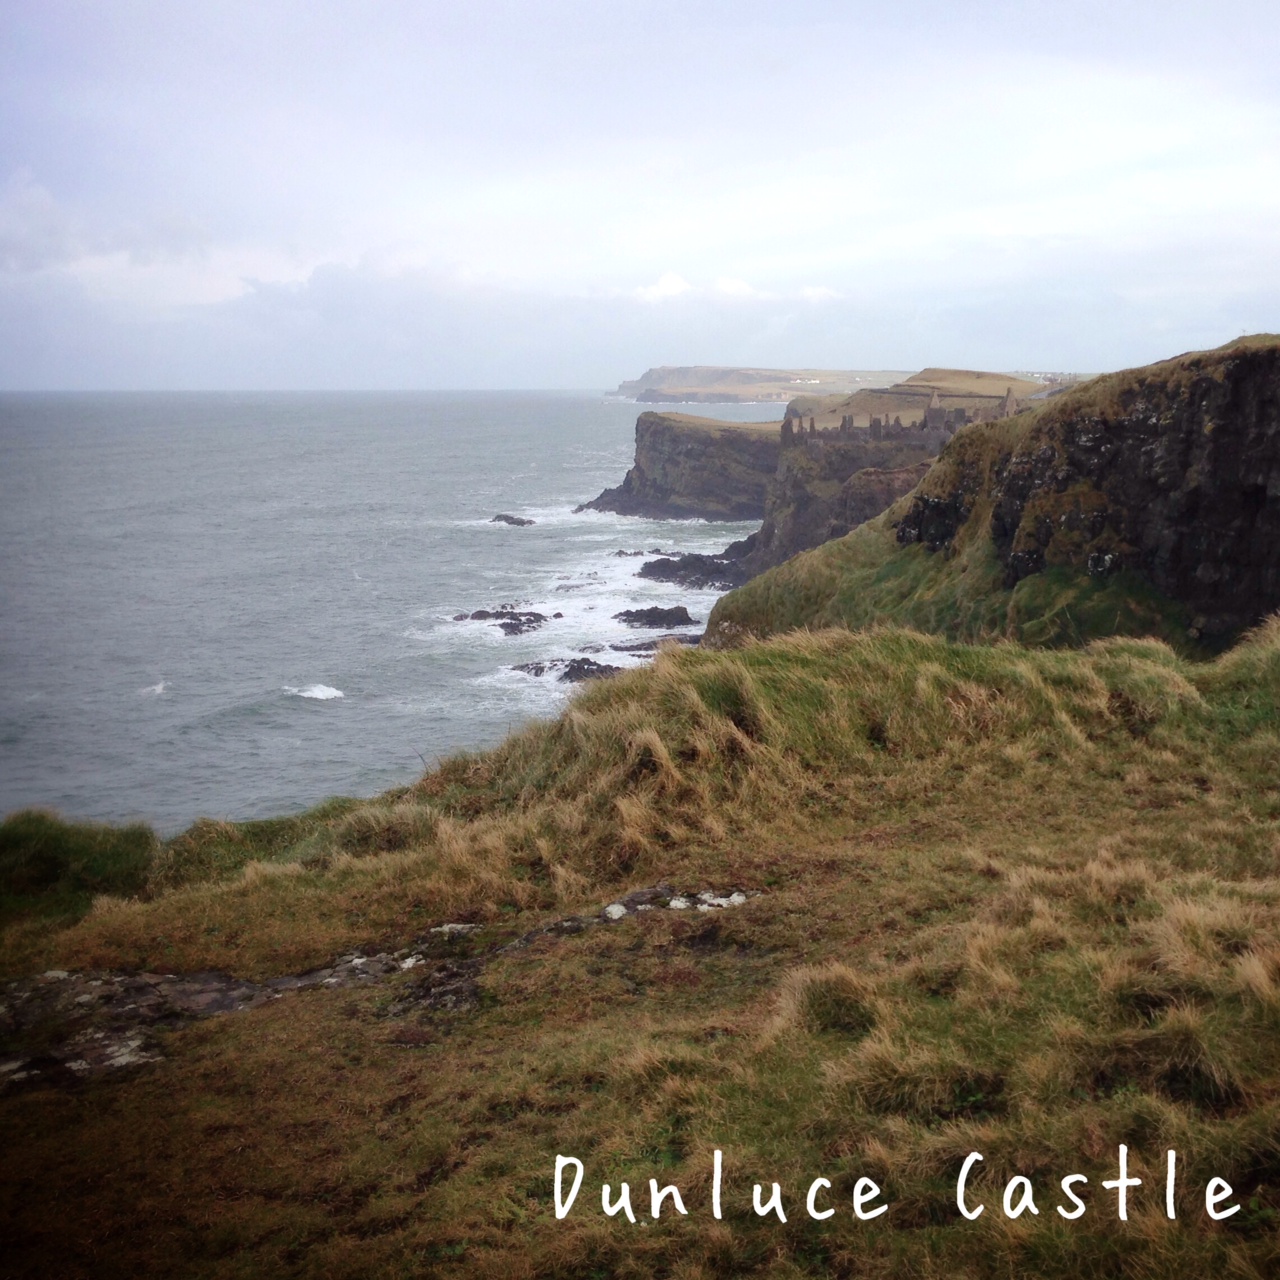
(155, 690)
(321, 692)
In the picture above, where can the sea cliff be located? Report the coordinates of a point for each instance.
(807, 484)
(805, 487)
(1146, 501)
(825, 487)
(687, 467)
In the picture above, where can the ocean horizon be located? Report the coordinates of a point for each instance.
(236, 604)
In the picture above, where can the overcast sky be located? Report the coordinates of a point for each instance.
(559, 194)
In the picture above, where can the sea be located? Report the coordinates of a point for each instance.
(235, 605)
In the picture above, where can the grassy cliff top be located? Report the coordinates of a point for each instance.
(970, 382)
(1015, 901)
(695, 422)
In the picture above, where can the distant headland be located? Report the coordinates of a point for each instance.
(728, 384)
(836, 459)
(819, 390)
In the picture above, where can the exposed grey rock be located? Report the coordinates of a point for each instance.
(678, 616)
(570, 670)
(652, 646)
(93, 1023)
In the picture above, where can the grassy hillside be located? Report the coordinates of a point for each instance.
(868, 576)
(1012, 900)
(971, 382)
(1139, 503)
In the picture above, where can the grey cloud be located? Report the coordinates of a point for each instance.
(152, 154)
(38, 233)
(348, 328)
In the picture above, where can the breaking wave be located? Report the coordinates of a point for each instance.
(321, 692)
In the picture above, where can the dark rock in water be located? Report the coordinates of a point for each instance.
(512, 622)
(503, 518)
(717, 572)
(461, 617)
(517, 624)
(651, 646)
(577, 669)
(568, 670)
(557, 615)
(656, 617)
(629, 553)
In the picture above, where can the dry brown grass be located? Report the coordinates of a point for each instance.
(992, 917)
(826, 998)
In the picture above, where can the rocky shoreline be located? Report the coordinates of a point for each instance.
(814, 487)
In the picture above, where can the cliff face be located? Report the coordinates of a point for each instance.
(1172, 471)
(687, 467)
(1146, 501)
(825, 487)
(813, 489)
(868, 492)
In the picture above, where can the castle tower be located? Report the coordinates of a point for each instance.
(935, 416)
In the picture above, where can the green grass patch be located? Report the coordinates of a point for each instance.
(49, 867)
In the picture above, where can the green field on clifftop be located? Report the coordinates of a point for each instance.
(1010, 900)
